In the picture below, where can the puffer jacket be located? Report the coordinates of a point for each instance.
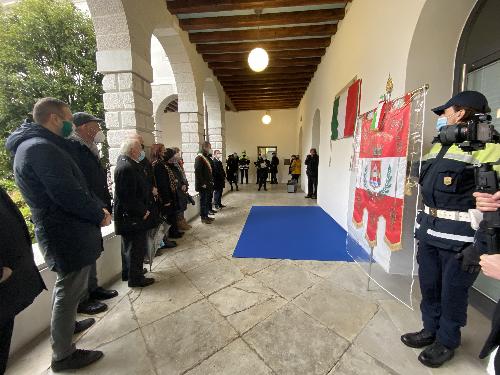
(66, 214)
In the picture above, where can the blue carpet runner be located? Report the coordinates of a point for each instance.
(292, 232)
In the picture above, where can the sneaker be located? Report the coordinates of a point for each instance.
(436, 355)
(418, 339)
(79, 359)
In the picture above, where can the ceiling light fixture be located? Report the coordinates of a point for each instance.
(258, 59)
(266, 119)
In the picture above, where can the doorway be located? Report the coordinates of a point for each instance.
(267, 151)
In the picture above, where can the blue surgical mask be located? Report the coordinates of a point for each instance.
(441, 122)
(142, 155)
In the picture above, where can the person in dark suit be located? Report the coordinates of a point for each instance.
(86, 135)
(67, 218)
(275, 162)
(262, 171)
(204, 182)
(20, 281)
(232, 171)
(312, 163)
(133, 205)
(219, 179)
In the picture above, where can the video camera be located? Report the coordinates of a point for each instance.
(472, 136)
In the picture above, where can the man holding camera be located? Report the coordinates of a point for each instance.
(447, 269)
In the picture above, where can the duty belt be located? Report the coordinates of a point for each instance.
(445, 214)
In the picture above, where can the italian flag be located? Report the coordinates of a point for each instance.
(345, 111)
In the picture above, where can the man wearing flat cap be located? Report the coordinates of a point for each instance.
(85, 137)
(447, 266)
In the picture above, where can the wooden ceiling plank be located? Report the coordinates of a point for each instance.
(266, 19)
(276, 70)
(285, 54)
(255, 34)
(278, 45)
(201, 6)
(277, 78)
(310, 61)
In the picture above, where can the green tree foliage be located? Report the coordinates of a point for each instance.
(47, 48)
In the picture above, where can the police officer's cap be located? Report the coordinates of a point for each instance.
(471, 99)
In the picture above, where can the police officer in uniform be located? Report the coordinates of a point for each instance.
(444, 233)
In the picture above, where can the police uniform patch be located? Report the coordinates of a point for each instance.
(447, 181)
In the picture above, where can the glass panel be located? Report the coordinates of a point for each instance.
(487, 81)
(384, 193)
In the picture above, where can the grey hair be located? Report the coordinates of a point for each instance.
(127, 146)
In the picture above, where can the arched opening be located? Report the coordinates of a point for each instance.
(316, 130)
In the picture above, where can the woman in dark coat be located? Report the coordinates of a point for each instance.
(20, 281)
(232, 171)
(168, 185)
(219, 179)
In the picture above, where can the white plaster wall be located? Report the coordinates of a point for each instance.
(368, 46)
(245, 131)
(169, 125)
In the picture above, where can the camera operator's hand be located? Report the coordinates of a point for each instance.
(487, 202)
(470, 257)
(490, 265)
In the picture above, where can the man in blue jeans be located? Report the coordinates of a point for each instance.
(204, 182)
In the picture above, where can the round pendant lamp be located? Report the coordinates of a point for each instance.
(266, 119)
(258, 59)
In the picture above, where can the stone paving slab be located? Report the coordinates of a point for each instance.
(287, 279)
(189, 259)
(339, 310)
(291, 342)
(214, 276)
(235, 359)
(184, 339)
(164, 297)
(357, 362)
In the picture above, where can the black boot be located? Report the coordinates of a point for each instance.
(436, 355)
(418, 339)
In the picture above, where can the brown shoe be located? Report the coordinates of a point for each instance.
(206, 221)
(182, 226)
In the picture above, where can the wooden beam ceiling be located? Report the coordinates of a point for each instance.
(271, 33)
(267, 19)
(277, 45)
(295, 39)
(285, 54)
(202, 6)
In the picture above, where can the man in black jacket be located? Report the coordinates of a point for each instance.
(275, 162)
(86, 135)
(20, 281)
(67, 218)
(133, 216)
(312, 163)
(204, 182)
(219, 179)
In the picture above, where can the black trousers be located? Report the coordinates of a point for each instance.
(312, 186)
(244, 172)
(262, 180)
(6, 329)
(134, 247)
(445, 292)
(274, 179)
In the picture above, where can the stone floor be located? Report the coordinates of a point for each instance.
(211, 314)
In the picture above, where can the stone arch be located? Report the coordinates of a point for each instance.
(316, 130)
(215, 117)
(167, 123)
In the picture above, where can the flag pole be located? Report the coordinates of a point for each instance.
(370, 268)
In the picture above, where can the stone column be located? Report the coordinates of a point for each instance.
(128, 106)
(192, 138)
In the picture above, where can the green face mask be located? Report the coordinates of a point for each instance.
(67, 129)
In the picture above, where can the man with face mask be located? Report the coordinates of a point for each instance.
(86, 135)
(447, 267)
(67, 217)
